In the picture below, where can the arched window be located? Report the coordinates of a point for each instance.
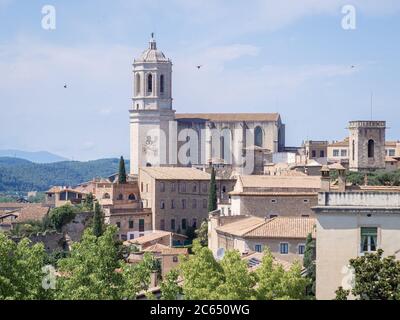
(150, 83)
(354, 150)
(371, 148)
(162, 83)
(225, 146)
(106, 196)
(132, 197)
(137, 84)
(258, 137)
(120, 197)
(148, 164)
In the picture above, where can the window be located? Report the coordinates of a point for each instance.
(205, 204)
(172, 204)
(162, 187)
(162, 204)
(301, 248)
(172, 224)
(271, 216)
(173, 187)
(369, 237)
(141, 187)
(184, 224)
(371, 148)
(106, 196)
(120, 197)
(322, 154)
(343, 153)
(130, 224)
(183, 203)
(150, 83)
(132, 197)
(194, 188)
(284, 248)
(118, 224)
(274, 201)
(141, 225)
(147, 187)
(336, 152)
(194, 223)
(258, 137)
(162, 224)
(137, 84)
(313, 154)
(175, 259)
(162, 83)
(182, 187)
(204, 188)
(194, 204)
(258, 248)
(392, 152)
(353, 150)
(131, 236)
(306, 200)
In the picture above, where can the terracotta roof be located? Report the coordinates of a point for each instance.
(279, 227)
(391, 143)
(36, 213)
(229, 117)
(153, 236)
(14, 205)
(165, 250)
(265, 181)
(169, 173)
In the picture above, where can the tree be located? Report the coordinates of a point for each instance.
(309, 263)
(274, 283)
(202, 233)
(89, 202)
(21, 272)
(238, 282)
(98, 223)
(201, 273)
(342, 294)
(170, 289)
(212, 195)
(61, 216)
(376, 277)
(122, 171)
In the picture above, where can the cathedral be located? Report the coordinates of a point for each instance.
(161, 137)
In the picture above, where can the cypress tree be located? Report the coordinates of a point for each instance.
(309, 263)
(98, 220)
(122, 171)
(212, 193)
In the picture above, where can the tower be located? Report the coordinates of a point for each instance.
(367, 145)
(151, 116)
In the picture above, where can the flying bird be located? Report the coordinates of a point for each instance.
(353, 67)
(198, 67)
(65, 86)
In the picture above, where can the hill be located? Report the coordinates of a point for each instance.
(37, 157)
(22, 175)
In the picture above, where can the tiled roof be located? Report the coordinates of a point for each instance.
(229, 117)
(343, 143)
(155, 235)
(279, 227)
(165, 250)
(391, 143)
(257, 258)
(265, 181)
(30, 213)
(168, 173)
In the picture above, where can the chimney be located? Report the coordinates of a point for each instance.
(325, 179)
(342, 180)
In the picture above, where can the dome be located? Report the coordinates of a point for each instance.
(152, 54)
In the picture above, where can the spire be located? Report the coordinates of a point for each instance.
(153, 44)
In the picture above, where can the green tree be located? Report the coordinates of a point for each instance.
(376, 277)
(238, 282)
(122, 171)
(202, 233)
(342, 294)
(201, 273)
(309, 263)
(98, 221)
(21, 272)
(212, 193)
(88, 203)
(170, 289)
(274, 283)
(61, 216)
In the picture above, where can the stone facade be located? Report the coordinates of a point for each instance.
(367, 145)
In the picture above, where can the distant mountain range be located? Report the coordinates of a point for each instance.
(23, 175)
(37, 157)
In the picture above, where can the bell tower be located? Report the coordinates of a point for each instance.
(152, 119)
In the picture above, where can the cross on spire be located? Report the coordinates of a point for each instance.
(153, 44)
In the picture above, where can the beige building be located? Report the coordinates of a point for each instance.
(275, 196)
(316, 150)
(284, 236)
(161, 237)
(349, 224)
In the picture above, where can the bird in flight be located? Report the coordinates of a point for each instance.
(353, 67)
(198, 67)
(65, 86)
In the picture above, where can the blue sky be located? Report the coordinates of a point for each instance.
(287, 56)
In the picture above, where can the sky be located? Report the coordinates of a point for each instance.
(288, 56)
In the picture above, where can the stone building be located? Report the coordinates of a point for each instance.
(275, 196)
(284, 236)
(350, 224)
(159, 137)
